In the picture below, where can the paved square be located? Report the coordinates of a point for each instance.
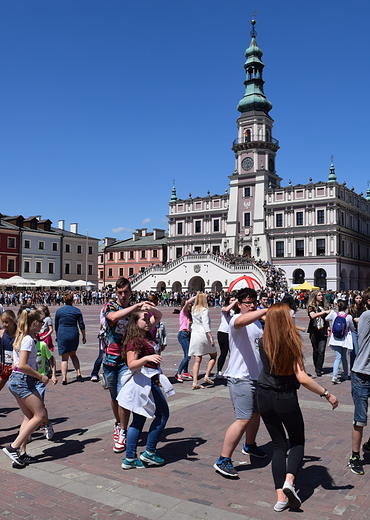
(79, 477)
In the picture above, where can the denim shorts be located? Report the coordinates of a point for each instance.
(21, 385)
(360, 384)
(113, 376)
(243, 394)
(40, 387)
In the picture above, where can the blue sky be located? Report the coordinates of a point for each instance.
(105, 102)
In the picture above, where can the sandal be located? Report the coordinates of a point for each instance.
(196, 386)
(208, 380)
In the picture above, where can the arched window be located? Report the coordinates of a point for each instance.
(320, 278)
(247, 251)
(247, 136)
(298, 277)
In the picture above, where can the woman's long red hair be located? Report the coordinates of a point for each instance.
(281, 341)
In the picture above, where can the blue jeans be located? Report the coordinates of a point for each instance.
(340, 355)
(184, 340)
(354, 352)
(113, 375)
(156, 428)
(360, 384)
(98, 362)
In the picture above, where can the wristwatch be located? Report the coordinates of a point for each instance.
(325, 394)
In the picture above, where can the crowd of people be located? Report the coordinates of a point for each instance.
(264, 370)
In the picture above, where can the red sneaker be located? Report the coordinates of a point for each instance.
(178, 378)
(187, 377)
(117, 429)
(120, 444)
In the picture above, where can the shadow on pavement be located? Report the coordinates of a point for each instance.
(313, 477)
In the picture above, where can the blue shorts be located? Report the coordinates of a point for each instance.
(41, 389)
(21, 385)
(243, 394)
(113, 375)
(360, 384)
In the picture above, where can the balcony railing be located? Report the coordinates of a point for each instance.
(255, 139)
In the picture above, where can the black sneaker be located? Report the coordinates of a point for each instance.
(27, 459)
(225, 467)
(366, 447)
(355, 465)
(14, 455)
(254, 451)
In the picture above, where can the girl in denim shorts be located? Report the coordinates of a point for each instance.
(22, 385)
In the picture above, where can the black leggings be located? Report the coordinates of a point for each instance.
(223, 341)
(281, 410)
(318, 342)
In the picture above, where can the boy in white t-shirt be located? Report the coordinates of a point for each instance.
(242, 374)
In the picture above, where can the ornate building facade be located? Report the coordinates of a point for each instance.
(317, 232)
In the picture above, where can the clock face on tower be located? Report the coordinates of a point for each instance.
(247, 164)
(271, 165)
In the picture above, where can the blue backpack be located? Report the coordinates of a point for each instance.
(339, 327)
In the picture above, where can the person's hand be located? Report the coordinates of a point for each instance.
(333, 400)
(145, 306)
(44, 380)
(54, 380)
(84, 340)
(154, 358)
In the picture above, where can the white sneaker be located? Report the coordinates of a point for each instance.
(293, 498)
(120, 444)
(281, 506)
(117, 429)
(49, 431)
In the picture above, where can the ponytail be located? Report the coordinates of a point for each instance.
(26, 319)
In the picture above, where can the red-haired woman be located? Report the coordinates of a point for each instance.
(282, 373)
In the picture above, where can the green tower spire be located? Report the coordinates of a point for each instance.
(254, 98)
(332, 177)
(368, 191)
(173, 196)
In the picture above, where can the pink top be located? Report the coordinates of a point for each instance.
(184, 321)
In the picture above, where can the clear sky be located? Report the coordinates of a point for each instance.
(105, 102)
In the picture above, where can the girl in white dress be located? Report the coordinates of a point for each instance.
(201, 340)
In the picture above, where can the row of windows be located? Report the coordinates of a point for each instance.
(197, 249)
(299, 218)
(67, 249)
(54, 246)
(67, 269)
(198, 226)
(299, 248)
(120, 272)
(38, 267)
(51, 268)
(131, 255)
(41, 245)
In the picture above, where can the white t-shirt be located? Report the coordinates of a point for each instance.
(27, 344)
(225, 320)
(45, 326)
(346, 341)
(244, 361)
